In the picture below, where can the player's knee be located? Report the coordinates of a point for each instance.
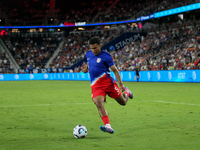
(123, 103)
(99, 104)
(121, 100)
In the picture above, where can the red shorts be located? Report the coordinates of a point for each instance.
(112, 91)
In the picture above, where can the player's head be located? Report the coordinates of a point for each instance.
(95, 45)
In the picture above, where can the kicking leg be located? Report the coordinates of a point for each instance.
(122, 100)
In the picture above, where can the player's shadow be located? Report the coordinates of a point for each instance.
(88, 137)
(92, 137)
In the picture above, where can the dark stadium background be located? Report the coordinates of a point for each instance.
(162, 49)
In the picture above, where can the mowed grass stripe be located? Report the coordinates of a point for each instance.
(92, 103)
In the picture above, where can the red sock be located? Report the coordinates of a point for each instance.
(126, 92)
(105, 120)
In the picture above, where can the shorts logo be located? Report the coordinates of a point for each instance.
(118, 92)
(98, 60)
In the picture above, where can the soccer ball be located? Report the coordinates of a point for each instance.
(80, 131)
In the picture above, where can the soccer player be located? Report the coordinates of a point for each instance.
(102, 84)
(137, 70)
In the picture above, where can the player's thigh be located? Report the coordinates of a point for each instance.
(98, 95)
(116, 94)
(113, 91)
(99, 100)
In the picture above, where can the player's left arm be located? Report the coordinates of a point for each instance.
(118, 77)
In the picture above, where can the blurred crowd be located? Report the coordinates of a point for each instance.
(32, 52)
(39, 12)
(104, 11)
(169, 51)
(165, 5)
(122, 10)
(5, 65)
(173, 49)
(84, 12)
(76, 45)
(128, 9)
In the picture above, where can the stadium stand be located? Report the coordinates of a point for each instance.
(127, 9)
(85, 11)
(181, 52)
(38, 12)
(170, 45)
(157, 49)
(74, 49)
(32, 52)
(5, 65)
(29, 12)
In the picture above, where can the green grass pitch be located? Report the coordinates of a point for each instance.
(41, 115)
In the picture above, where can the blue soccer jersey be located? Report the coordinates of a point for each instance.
(99, 68)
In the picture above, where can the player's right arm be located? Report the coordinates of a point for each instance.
(85, 69)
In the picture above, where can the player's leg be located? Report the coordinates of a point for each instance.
(138, 77)
(122, 100)
(118, 96)
(99, 102)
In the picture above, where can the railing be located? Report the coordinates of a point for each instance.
(10, 57)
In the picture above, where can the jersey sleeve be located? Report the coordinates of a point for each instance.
(109, 60)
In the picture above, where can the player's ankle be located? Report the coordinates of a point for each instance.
(127, 93)
(108, 125)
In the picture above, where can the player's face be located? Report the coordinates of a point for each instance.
(95, 48)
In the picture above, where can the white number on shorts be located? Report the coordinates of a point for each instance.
(117, 90)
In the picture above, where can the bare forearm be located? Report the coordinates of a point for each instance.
(118, 77)
(85, 69)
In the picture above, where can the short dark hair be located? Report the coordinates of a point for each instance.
(95, 40)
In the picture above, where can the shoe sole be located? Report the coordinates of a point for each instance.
(105, 129)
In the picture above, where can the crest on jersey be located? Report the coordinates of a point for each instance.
(98, 60)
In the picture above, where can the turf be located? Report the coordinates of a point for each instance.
(41, 115)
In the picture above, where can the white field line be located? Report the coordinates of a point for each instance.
(177, 103)
(155, 101)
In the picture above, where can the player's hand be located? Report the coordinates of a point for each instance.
(85, 70)
(122, 88)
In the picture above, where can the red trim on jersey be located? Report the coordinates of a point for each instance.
(103, 81)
